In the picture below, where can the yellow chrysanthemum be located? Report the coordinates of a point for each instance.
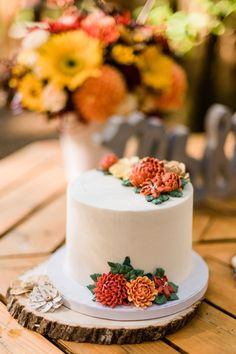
(68, 59)
(123, 54)
(156, 68)
(30, 89)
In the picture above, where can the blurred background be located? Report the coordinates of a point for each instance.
(210, 65)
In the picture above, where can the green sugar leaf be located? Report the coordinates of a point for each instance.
(184, 181)
(127, 261)
(172, 297)
(157, 201)
(159, 272)
(126, 183)
(91, 287)
(149, 275)
(176, 194)
(160, 300)
(164, 197)
(137, 190)
(174, 286)
(95, 276)
(149, 198)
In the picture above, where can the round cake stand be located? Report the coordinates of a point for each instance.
(66, 323)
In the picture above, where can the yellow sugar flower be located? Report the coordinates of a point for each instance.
(30, 89)
(68, 59)
(156, 68)
(123, 54)
(123, 167)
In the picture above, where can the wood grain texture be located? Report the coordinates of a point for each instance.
(12, 267)
(222, 251)
(27, 163)
(201, 220)
(62, 324)
(18, 203)
(221, 227)
(42, 233)
(144, 348)
(15, 339)
(210, 332)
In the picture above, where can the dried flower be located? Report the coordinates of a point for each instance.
(147, 168)
(122, 169)
(99, 97)
(110, 289)
(141, 291)
(108, 161)
(162, 286)
(20, 287)
(176, 167)
(45, 297)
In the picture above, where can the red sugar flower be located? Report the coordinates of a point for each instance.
(150, 187)
(146, 169)
(162, 286)
(170, 182)
(111, 289)
(108, 161)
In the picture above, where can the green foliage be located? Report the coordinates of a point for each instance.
(184, 181)
(95, 276)
(126, 183)
(172, 297)
(149, 198)
(137, 190)
(91, 287)
(174, 286)
(160, 300)
(176, 194)
(159, 272)
(125, 268)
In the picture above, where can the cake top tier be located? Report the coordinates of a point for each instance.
(106, 192)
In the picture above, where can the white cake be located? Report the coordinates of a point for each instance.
(107, 222)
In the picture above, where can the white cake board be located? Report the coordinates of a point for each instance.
(79, 299)
(67, 324)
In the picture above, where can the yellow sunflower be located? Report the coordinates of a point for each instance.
(68, 59)
(30, 89)
(156, 68)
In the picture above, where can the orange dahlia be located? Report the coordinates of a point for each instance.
(170, 182)
(172, 99)
(108, 161)
(146, 169)
(150, 187)
(141, 291)
(110, 289)
(161, 183)
(99, 97)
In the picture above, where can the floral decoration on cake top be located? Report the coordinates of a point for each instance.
(155, 179)
(125, 285)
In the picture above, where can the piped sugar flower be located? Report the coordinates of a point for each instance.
(163, 286)
(150, 186)
(176, 167)
(146, 169)
(123, 167)
(141, 291)
(110, 289)
(170, 182)
(99, 97)
(69, 58)
(161, 183)
(101, 26)
(108, 161)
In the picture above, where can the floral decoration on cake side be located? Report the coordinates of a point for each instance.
(157, 180)
(126, 285)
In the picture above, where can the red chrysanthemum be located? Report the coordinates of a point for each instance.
(162, 286)
(108, 161)
(146, 169)
(161, 183)
(111, 289)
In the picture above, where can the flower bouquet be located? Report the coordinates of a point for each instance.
(89, 65)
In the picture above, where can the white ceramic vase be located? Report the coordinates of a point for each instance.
(81, 145)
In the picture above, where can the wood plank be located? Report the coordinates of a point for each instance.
(43, 232)
(27, 162)
(221, 227)
(222, 286)
(86, 348)
(29, 196)
(222, 251)
(200, 221)
(210, 332)
(11, 268)
(15, 339)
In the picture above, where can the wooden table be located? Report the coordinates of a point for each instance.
(32, 226)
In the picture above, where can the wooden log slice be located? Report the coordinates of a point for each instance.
(68, 325)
